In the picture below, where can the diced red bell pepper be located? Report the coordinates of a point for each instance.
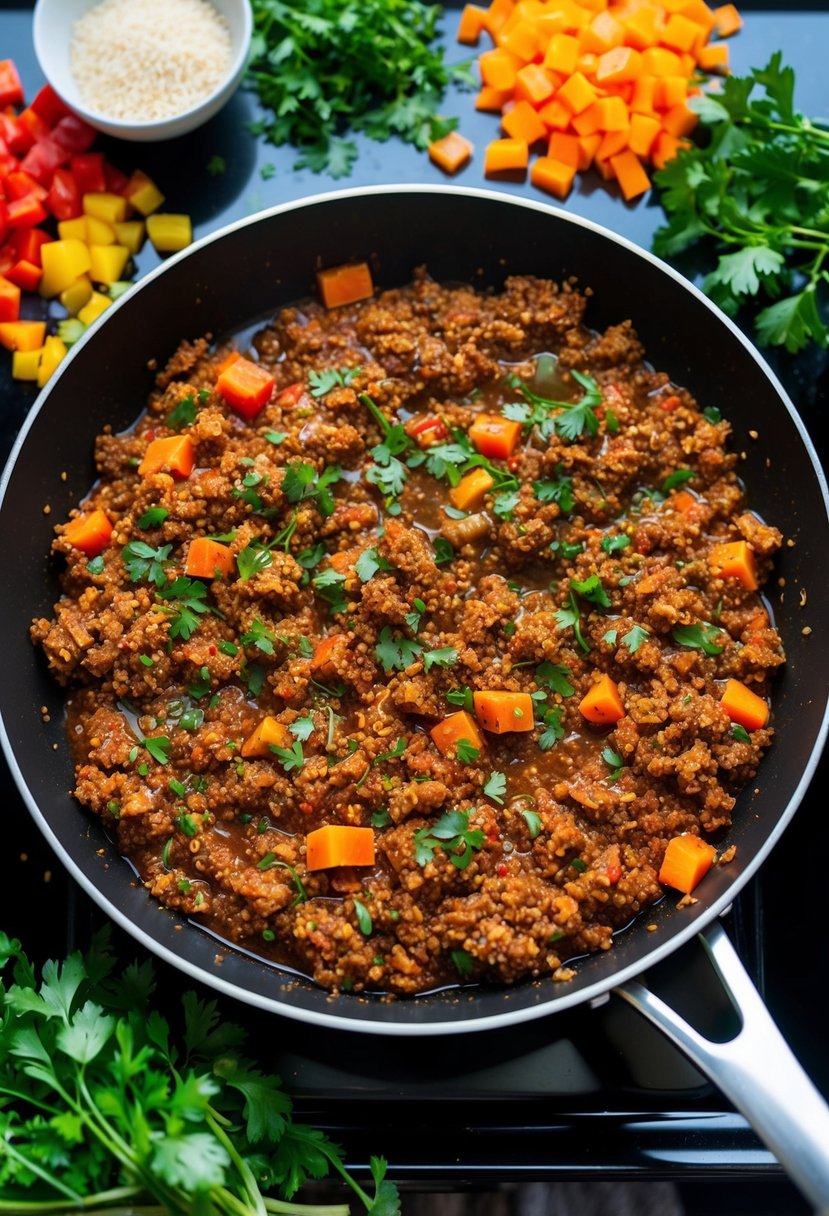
(290, 395)
(27, 243)
(88, 172)
(25, 212)
(8, 162)
(25, 275)
(19, 183)
(43, 158)
(7, 258)
(64, 197)
(9, 300)
(49, 106)
(73, 133)
(4, 220)
(33, 126)
(11, 90)
(116, 181)
(14, 136)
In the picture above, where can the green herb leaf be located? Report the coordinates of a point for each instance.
(496, 787)
(395, 652)
(533, 822)
(555, 676)
(699, 637)
(183, 414)
(363, 917)
(463, 963)
(466, 752)
(452, 834)
(740, 734)
(152, 517)
(447, 656)
(289, 757)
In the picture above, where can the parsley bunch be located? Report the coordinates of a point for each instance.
(104, 1106)
(325, 68)
(759, 188)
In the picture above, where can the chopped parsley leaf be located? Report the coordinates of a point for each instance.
(466, 752)
(396, 653)
(452, 834)
(496, 787)
(698, 637)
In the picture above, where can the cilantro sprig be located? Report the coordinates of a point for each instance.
(106, 1104)
(452, 834)
(568, 419)
(754, 188)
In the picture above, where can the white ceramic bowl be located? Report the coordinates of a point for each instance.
(52, 33)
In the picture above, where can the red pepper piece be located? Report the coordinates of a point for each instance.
(27, 244)
(290, 396)
(18, 184)
(9, 300)
(49, 106)
(32, 125)
(64, 197)
(43, 158)
(11, 90)
(88, 172)
(25, 212)
(12, 133)
(74, 134)
(116, 181)
(24, 274)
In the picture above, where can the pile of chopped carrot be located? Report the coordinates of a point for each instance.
(593, 83)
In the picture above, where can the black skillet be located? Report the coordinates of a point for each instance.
(246, 271)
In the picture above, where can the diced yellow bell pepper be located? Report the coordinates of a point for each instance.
(98, 232)
(76, 295)
(53, 351)
(25, 363)
(97, 304)
(131, 233)
(72, 229)
(63, 262)
(111, 208)
(169, 232)
(107, 262)
(143, 194)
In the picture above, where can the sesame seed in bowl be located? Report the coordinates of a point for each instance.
(143, 69)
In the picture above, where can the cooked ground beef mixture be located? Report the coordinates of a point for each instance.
(479, 581)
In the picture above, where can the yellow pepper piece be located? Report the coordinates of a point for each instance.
(53, 351)
(72, 229)
(92, 310)
(25, 363)
(104, 206)
(76, 295)
(169, 232)
(63, 262)
(143, 194)
(131, 233)
(107, 262)
(98, 232)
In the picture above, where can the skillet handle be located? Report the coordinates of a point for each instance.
(755, 1069)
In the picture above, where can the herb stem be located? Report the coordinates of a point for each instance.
(377, 414)
(307, 1209)
(245, 1173)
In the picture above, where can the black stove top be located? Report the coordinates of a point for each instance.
(586, 1092)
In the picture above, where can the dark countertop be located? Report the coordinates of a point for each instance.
(557, 1113)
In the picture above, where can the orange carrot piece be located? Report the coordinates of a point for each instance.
(665, 149)
(587, 123)
(680, 33)
(727, 20)
(174, 454)
(612, 143)
(601, 703)
(269, 733)
(495, 436)
(642, 133)
(564, 148)
(246, 387)
(337, 844)
(89, 532)
(714, 58)
(632, 178)
(345, 284)
(659, 61)
(451, 152)
(226, 362)
(22, 335)
(686, 503)
(602, 33)
(555, 115)
(498, 68)
(687, 860)
(642, 99)
(552, 175)
(744, 706)
(533, 84)
(613, 114)
(501, 712)
(734, 559)
(469, 493)
(618, 66)
(505, 155)
(497, 14)
(449, 733)
(588, 145)
(679, 121)
(642, 28)
(562, 54)
(577, 93)
(208, 559)
(523, 122)
(492, 100)
(472, 22)
(520, 40)
(321, 664)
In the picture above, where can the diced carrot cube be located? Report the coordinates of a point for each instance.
(496, 15)
(665, 148)
(659, 61)
(632, 178)
(269, 733)
(492, 100)
(504, 712)
(89, 532)
(602, 33)
(587, 123)
(588, 146)
(523, 122)
(498, 68)
(612, 143)
(471, 490)
(564, 148)
(687, 860)
(505, 155)
(680, 33)
(562, 54)
(670, 91)
(744, 706)
(321, 660)
(713, 58)
(618, 66)
(555, 115)
(734, 559)
(643, 131)
(727, 20)
(472, 22)
(495, 436)
(338, 844)
(642, 28)
(533, 84)
(642, 99)
(245, 386)
(208, 558)
(613, 114)
(451, 152)
(679, 121)
(521, 40)
(698, 11)
(602, 703)
(345, 284)
(459, 726)
(553, 176)
(577, 93)
(174, 454)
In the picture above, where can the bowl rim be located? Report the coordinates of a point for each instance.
(160, 128)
